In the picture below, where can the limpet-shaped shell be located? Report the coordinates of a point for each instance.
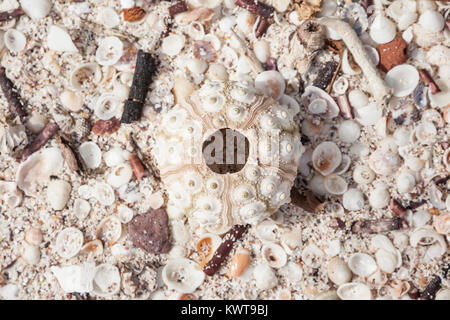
(335, 184)
(326, 157)
(58, 39)
(109, 230)
(69, 242)
(182, 275)
(403, 79)
(104, 193)
(270, 83)
(338, 271)
(379, 197)
(274, 255)
(362, 264)
(106, 280)
(81, 208)
(382, 30)
(405, 182)
(358, 99)
(33, 236)
(91, 154)
(262, 50)
(14, 40)
(85, 76)
(124, 213)
(58, 193)
(320, 102)
(172, 45)
(432, 21)
(71, 100)
(384, 162)
(36, 9)
(354, 291)
(386, 260)
(348, 131)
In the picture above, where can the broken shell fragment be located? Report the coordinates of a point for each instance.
(58, 194)
(14, 40)
(353, 199)
(354, 291)
(442, 98)
(104, 193)
(326, 157)
(109, 51)
(403, 79)
(270, 83)
(239, 263)
(69, 242)
(335, 184)
(265, 277)
(338, 271)
(91, 154)
(362, 264)
(182, 275)
(125, 213)
(75, 278)
(109, 230)
(10, 194)
(382, 30)
(58, 39)
(106, 280)
(36, 9)
(274, 255)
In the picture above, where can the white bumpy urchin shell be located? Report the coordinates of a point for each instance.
(217, 201)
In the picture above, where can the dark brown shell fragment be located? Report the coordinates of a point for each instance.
(102, 127)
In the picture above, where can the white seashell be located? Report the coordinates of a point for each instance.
(379, 197)
(262, 50)
(106, 280)
(270, 83)
(9, 292)
(384, 162)
(338, 271)
(156, 200)
(403, 79)
(120, 175)
(443, 294)
(91, 154)
(69, 242)
(292, 272)
(196, 66)
(382, 30)
(442, 98)
(312, 256)
(108, 17)
(58, 194)
(127, 4)
(14, 40)
(59, 40)
(386, 260)
(373, 55)
(75, 278)
(335, 184)
(340, 86)
(354, 291)
(37, 169)
(81, 208)
(227, 23)
(405, 182)
(30, 254)
(358, 99)
(425, 133)
(402, 136)
(217, 71)
(9, 193)
(71, 100)
(243, 66)
(344, 166)
(318, 98)
(291, 239)
(408, 34)
(36, 9)
(115, 156)
(107, 106)
(265, 277)
(173, 44)
(348, 131)
(182, 275)
(326, 157)
(109, 230)
(104, 193)
(36, 122)
(33, 236)
(353, 199)
(421, 218)
(125, 213)
(369, 115)
(267, 230)
(362, 264)
(432, 21)
(245, 21)
(109, 51)
(362, 174)
(274, 255)
(85, 76)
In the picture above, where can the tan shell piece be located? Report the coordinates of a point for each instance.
(215, 200)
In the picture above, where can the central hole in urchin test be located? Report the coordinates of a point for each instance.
(226, 151)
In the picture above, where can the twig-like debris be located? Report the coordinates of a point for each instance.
(416, 204)
(9, 15)
(256, 7)
(137, 166)
(380, 225)
(15, 105)
(425, 76)
(262, 27)
(306, 200)
(344, 106)
(224, 249)
(145, 69)
(177, 8)
(441, 180)
(46, 134)
(378, 88)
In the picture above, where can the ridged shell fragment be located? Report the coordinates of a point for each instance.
(182, 275)
(69, 242)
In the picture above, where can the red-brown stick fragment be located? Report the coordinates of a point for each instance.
(344, 107)
(224, 249)
(380, 225)
(262, 27)
(177, 8)
(137, 166)
(46, 134)
(256, 7)
(425, 76)
(12, 14)
(15, 105)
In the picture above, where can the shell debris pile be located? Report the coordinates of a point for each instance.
(112, 110)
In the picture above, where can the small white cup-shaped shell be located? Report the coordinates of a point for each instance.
(106, 280)
(270, 83)
(85, 76)
(403, 79)
(425, 132)
(326, 157)
(33, 236)
(362, 264)
(340, 86)
(115, 156)
(109, 51)
(58, 193)
(354, 291)
(274, 255)
(182, 275)
(108, 106)
(217, 71)
(239, 263)
(81, 208)
(196, 66)
(384, 162)
(120, 175)
(265, 277)
(104, 193)
(312, 256)
(405, 182)
(36, 122)
(349, 131)
(353, 200)
(335, 184)
(386, 260)
(71, 101)
(358, 99)
(108, 17)
(226, 23)
(30, 254)
(379, 197)
(362, 174)
(262, 50)
(14, 40)
(58, 39)
(382, 30)
(69, 242)
(109, 230)
(124, 213)
(156, 200)
(432, 21)
(91, 154)
(173, 44)
(338, 271)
